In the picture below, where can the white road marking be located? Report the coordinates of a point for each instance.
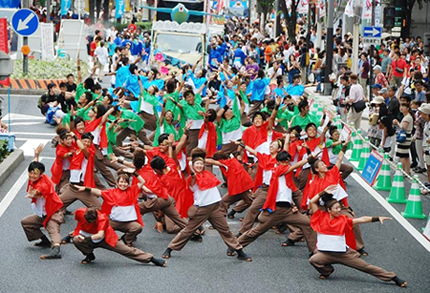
(396, 215)
(35, 133)
(29, 146)
(7, 200)
(14, 116)
(26, 123)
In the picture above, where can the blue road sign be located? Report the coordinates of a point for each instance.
(25, 22)
(372, 31)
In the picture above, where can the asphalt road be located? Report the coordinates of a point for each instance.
(199, 267)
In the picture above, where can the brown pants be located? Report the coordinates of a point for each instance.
(69, 194)
(255, 106)
(228, 148)
(345, 170)
(228, 200)
(322, 262)
(120, 152)
(267, 220)
(123, 133)
(302, 179)
(131, 252)
(130, 230)
(215, 214)
(192, 140)
(171, 227)
(167, 206)
(254, 209)
(32, 224)
(242, 205)
(150, 121)
(65, 177)
(101, 163)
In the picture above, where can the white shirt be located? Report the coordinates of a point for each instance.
(285, 194)
(102, 55)
(123, 213)
(356, 92)
(333, 243)
(203, 140)
(38, 207)
(206, 197)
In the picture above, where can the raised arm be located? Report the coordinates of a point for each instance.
(248, 148)
(342, 152)
(314, 201)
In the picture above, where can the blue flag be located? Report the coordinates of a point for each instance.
(65, 6)
(120, 7)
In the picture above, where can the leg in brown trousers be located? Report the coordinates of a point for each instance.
(101, 163)
(65, 177)
(130, 230)
(167, 206)
(345, 170)
(131, 252)
(302, 179)
(192, 140)
(70, 194)
(32, 224)
(123, 133)
(322, 262)
(198, 215)
(254, 210)
(267, 220)
(228, 200)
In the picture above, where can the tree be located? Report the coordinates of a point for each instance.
(290, 15)
(266, 6)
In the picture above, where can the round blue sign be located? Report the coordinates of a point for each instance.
(25, 22)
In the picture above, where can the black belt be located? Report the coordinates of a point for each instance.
(283, 204)
(255, 102)
(264, 185)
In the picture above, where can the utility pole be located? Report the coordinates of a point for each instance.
(329, 49)
(48, 11)
(25, 43)
(372, 48)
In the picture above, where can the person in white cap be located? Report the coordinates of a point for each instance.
(378, 109)
(425, 113)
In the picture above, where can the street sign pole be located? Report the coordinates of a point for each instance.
(372, 49)
(25, 57)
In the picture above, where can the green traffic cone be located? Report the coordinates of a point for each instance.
(397, 193)
(364, 156)
(358, 146)
(414, 208)
(426, 229)
(384, 176)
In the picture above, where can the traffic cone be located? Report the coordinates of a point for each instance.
(358, 146)
(426, 230)
(364, 156)
(397, 193)
(414, 207)
(384, 176)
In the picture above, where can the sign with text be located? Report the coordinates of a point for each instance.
(373, 165)
(47, 41)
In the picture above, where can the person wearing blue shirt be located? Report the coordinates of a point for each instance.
(295, 89)
(259, 90)
(239, 56)
(215, 57)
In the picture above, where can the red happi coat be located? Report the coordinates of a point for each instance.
(204, 180)
(91, 125)
(312, 144)
(57, 167)
(46, 188)
(117, 197)
(239, 180)
(211, 144)
(270, 203)
(152, 182)
(323, 224)
(101, 224)
(318, 184)
(76, 164)
(265, 162)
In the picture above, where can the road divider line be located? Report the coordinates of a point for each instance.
(396, 215)
(7, 200)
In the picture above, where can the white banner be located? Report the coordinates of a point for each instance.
(321, 8)
(47, 41)
(303, 7)
(367, 9)
(349, 9)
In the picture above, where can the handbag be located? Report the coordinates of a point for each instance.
(359, 106)
(401, 136)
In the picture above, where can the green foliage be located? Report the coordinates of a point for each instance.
(3, 149)
(56, 69)
(144, 26)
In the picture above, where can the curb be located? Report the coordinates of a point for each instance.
(39, 92)
(10, 164)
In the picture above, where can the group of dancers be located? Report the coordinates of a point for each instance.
(286, 175)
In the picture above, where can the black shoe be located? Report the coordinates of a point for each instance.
(158, 262)
(243, 256)
(238, 234)
(362, 252)
(166, 253)
(420, 170)
(90, 257)
(196, 238)
(53, 254)
(399, 282)
(414, 165)
(289, 242)
(44, 243)
(67, 239)
(231, 214)
(230, 252)
(68, 213)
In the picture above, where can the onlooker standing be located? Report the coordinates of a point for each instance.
(101, 58)
(380, 77)
(356, 95)
(364, 72)
(398, 67)
(407, 124)
(386, 62)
